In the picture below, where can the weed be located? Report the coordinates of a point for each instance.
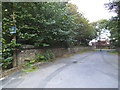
(27, 59)
(39, 57)
(49, 55)
(30, 69)
(21, 75)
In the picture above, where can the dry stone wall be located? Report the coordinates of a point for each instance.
(29, 51)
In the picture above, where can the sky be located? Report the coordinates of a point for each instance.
(93, 10)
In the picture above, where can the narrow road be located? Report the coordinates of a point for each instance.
(85, 70)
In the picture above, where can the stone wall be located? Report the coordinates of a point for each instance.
(77, 49)
(118, 50)
(29, 51)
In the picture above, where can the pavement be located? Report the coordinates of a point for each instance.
(84, 70)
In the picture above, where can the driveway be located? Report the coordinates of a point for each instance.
(84, 70)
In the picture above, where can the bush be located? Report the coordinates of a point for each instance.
(7, 53)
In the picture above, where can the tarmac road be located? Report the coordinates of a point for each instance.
(84, 70)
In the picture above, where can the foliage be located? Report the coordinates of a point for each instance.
(115, 6)
(28, 64)
(39, 57)
(48, 24)
(7, 52)
(52, 55)
(49, 55)
(115, 52)
(30, 61)
(80, 37)
(101, 27)
(27, 59)
(30, 69)
(44, 24)
(102, 24)
(113, 27)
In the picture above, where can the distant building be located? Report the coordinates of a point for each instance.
(101, 44)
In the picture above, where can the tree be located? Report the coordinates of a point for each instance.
(47, 23)
(43, 24)
(83, 26)
(115, 6)
(113, 27)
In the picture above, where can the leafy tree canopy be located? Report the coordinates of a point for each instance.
(53, 24)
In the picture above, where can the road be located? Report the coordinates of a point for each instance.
(84, 70)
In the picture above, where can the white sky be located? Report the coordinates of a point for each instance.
(93, 10)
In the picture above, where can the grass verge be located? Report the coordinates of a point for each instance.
(30, 69)
(82, 51)
(114, 52)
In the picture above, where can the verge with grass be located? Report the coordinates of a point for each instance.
(114, 52)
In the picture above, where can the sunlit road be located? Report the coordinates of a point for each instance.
(85, 70)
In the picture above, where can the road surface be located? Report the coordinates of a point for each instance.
(84, 70)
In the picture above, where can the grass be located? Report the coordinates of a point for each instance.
(30, 69)
(82, 51)
(114, 52)
(22, 75)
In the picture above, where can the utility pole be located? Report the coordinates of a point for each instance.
(119, 23)
(14, 37)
